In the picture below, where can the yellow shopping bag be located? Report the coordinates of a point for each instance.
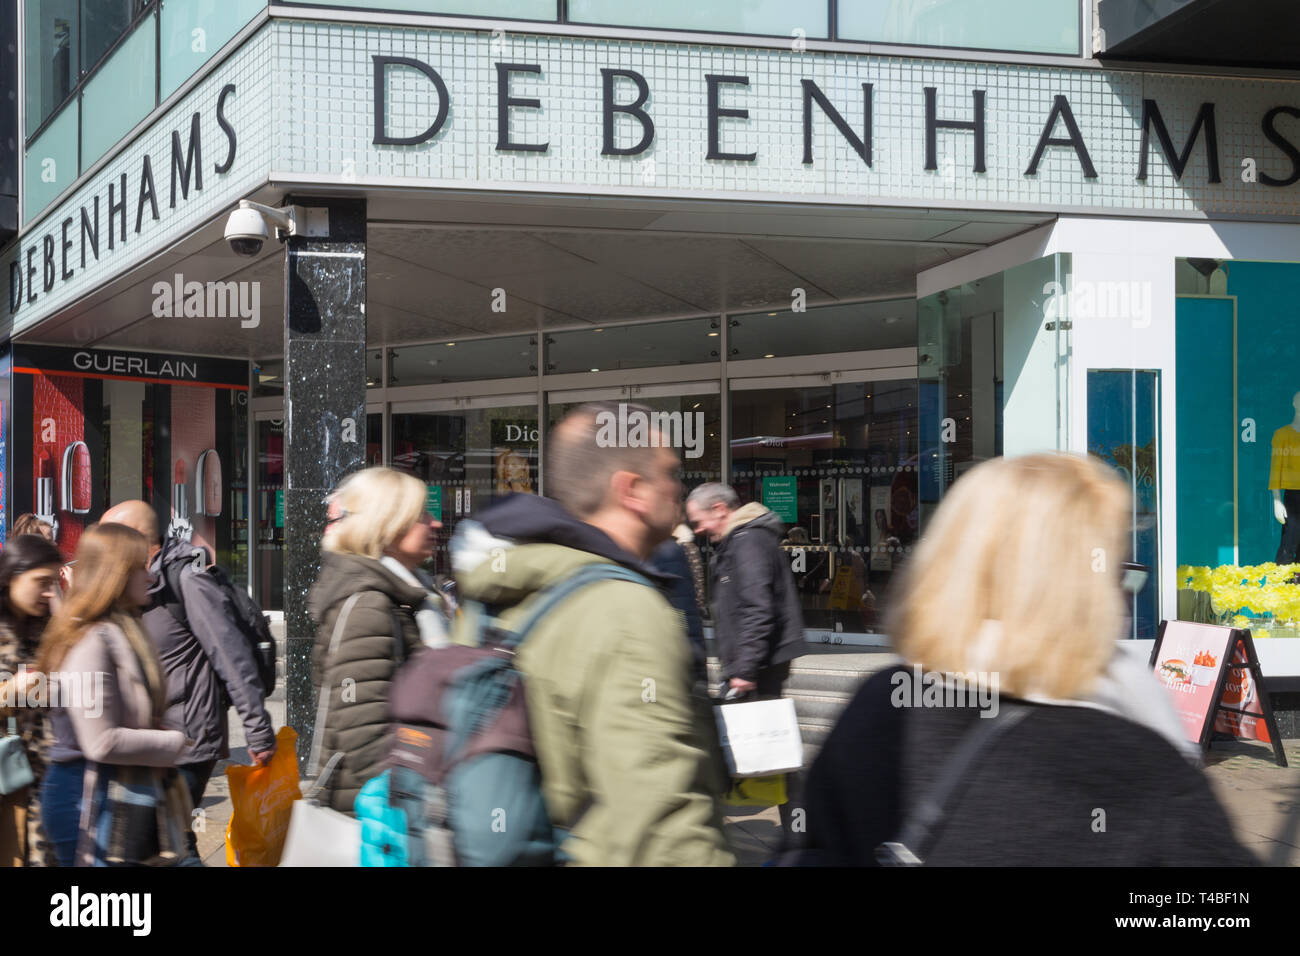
(263, 798)
(757, 792)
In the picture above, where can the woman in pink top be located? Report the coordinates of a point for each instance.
(134, 808)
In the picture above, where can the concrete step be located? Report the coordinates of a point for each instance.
(824, 706)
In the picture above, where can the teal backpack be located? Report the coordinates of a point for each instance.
(463, 787)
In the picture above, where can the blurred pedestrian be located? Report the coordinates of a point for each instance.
(673, 558)
(757, 613)
(372, 606)
(136, 808)
(29, 568)
(629, 756)
(207, 662)
(1014, 591)
(28, 523)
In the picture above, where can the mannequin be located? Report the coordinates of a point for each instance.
(1284, 482)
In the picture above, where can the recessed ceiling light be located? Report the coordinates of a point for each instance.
(451, 345)
(769, 355)
(598, 330)
(595, 370)
(771, 313)
(713, 335)
(891, 319)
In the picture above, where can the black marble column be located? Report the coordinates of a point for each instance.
(324, 415)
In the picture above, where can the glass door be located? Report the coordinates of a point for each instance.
(469, 452)
(835, 456)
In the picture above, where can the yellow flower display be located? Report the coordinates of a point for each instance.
(1262, 590)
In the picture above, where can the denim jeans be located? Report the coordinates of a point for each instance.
(61, 807)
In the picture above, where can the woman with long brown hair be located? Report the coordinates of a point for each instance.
(134, 807)
(29, 573)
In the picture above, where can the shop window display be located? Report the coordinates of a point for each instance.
(95, 427)
(1238, 413)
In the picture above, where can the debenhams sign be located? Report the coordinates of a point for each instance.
(625, 94)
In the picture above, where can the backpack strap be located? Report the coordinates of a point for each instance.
(323, 701)
(471, 712)
(918, 834)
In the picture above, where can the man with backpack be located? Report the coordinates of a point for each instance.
(630, 768)
(207, 638)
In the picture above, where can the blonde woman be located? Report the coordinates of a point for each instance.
(135, 809)
(372, 608)
(1015, 592)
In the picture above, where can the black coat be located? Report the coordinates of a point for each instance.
(757, 613)
(671, 559)
(1031, 798)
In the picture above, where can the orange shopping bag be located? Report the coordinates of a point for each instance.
(263, 798)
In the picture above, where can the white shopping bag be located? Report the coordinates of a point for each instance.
(760, 738)
(319, 836)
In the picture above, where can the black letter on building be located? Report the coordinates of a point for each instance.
(716, 112)
(86, 230)
(146, 189)
(15, 284)
(632, 109)
(31, 276)
(47, 260)
(933, 124)
(505, 101)
(64, 245)
(193, 161)
(226, 128)
(381, 98)
(861, 146)
(1151, 117)
(118, 208)
(1061, 108)
(1282, 143)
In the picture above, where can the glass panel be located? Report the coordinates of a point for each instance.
(270, 514)
(374, 369)
(687, 342)
(1037, 26)
(6, 413)
(766, 17)
(51, 164)
(701, 444)
(120, 94)
(50, 55)
(1238, 447)
(1124, 432)
(102, 22)
(474, 360)
(835, 328)
(851, 454)
(193, 31)
(468, 458)
(515, 9)
(374, 439)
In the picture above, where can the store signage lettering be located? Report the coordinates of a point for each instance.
(1060, 127)
(148, 366)
(40, 265)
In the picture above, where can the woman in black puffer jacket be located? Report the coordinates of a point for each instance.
(372, 608)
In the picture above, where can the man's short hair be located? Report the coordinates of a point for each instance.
(707, 495)
(578, 469)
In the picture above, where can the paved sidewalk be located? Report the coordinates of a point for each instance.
(1261, 798)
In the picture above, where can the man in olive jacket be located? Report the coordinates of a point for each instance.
(628, 752)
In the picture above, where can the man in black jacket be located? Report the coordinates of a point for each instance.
(207, 665)
(757, 619)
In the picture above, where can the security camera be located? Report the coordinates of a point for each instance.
(246, 229)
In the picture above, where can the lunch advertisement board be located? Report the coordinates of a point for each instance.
(1214, 682)
(1188, 662)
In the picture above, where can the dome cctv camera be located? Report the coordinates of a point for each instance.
(246, 231)
(247, 227)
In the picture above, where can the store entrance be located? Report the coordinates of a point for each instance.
(835, 456)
